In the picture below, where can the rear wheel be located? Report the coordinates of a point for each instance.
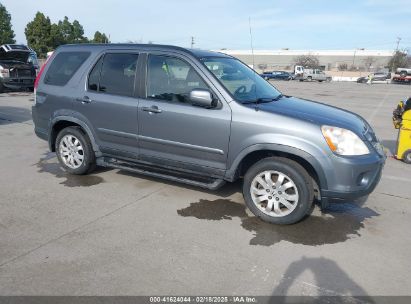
(278, 190)
(74, 151)
(309, 78)
(403, 73)
(1, 87)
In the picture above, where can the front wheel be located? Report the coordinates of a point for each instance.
(278, 190)
(74, 151)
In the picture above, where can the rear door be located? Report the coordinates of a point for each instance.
(108, 103)
(171, 130)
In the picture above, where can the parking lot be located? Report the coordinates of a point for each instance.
(117, 233)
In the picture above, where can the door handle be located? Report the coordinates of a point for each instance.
(152, 109)
(83, 100)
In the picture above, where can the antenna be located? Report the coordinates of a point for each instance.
(252, 55)
(251, 41)
(192, 42)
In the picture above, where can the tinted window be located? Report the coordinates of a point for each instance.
(94, 76)
(64, 66)
(118, 74)
(171, 79)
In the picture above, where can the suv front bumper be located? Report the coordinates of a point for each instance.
(17, 83)
(353, 177)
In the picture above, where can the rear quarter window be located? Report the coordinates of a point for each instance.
(64, 66)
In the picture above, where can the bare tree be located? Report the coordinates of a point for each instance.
(307, 61)
(368, 62)
(399, 60)
(343, 67)
(262, 66)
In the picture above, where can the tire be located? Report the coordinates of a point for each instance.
(406, 157)
(64, 150)
(403, 73)
(320, 80)
(1, 87)
(299, 196)
(309, 78)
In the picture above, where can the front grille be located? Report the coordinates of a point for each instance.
(19, 73)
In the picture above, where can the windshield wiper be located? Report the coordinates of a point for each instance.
(264, 99)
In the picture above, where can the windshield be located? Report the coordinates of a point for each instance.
(244, 84)
(15, 55)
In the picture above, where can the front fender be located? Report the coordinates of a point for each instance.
(312, 160)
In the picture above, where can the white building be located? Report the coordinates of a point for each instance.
(329, 59)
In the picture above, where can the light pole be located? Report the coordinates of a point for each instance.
(355, 51)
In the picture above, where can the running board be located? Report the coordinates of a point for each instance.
(176, 176)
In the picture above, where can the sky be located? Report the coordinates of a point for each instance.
(216, 24)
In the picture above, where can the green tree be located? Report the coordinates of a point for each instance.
(6, 32)
(100, 38)
(71, 32)
(398, 60)
(38, 34)
(56, 36)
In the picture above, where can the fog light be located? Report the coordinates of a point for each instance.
(362, 179)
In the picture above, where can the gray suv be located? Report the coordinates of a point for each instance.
(201, 118)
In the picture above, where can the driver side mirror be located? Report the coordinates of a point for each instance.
(202, 98)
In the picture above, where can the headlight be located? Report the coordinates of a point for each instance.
(344, 142)
(4, 72)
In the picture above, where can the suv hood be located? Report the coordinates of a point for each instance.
(317, 113)
(22, 56)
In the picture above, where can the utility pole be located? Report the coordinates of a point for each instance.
(398, 43)
(192, 42)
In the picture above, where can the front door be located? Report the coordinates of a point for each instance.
(173, 131)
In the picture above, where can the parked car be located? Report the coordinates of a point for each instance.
(403, 72)
(314, 74)
(176, 117)
(280, 75)
(379, 76)
(18, 67)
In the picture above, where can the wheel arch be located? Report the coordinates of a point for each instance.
(62, 122)
(252, 154)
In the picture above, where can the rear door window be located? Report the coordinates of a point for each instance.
(118, 74)
(64, 66)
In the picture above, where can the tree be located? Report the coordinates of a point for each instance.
(100, 38)
(56, 36)
(398, 60)
(368, 62)
(307, 61)
(6, 32)
(71, 32)
(262, 66)
(343, 67)
(38, 34)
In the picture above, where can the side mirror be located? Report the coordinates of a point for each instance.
(202, 98)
